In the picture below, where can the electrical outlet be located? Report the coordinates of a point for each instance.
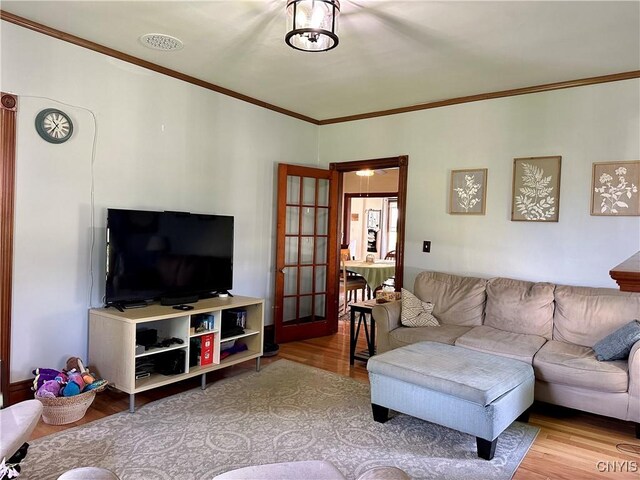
(426, 246)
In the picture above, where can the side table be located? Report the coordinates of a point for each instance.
(359, 313)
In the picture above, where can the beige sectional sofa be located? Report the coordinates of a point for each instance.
(552, 327)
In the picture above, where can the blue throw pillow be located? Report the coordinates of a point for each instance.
(617, 345)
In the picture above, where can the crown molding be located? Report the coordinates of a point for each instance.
(616, 77)
(96, 47)
(60, 35)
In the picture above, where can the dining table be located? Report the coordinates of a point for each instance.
(374, 273)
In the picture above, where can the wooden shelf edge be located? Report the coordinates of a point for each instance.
(247, 333)
(627, 274)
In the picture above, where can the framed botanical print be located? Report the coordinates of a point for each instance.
(614, 189)
(468, 192)
(536, 189)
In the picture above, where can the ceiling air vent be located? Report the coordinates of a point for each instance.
(160, 41)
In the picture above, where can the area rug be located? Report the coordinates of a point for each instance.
(285, 412)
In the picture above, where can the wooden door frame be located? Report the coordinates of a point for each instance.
(402, 163)
(8, 118)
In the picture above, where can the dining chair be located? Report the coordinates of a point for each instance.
(389, 282)
(345, 254)
(349, 283)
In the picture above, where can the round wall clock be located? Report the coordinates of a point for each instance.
(54, 125)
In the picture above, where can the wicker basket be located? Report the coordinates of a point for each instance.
(63, 410)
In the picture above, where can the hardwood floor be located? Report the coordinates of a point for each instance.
(571, 445)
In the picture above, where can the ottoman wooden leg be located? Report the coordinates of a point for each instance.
(380, 414)
(486, 448)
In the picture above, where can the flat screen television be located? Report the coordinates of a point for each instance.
(165, 255)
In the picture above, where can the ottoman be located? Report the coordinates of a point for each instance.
(469, 391)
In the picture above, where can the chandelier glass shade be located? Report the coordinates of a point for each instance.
(312, 25)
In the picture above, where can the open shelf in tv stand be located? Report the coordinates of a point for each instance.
(112, 341)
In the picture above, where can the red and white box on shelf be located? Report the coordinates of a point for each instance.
(206, 349)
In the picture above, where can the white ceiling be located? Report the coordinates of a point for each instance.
(391, 53)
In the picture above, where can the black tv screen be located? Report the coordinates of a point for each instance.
(151, 255)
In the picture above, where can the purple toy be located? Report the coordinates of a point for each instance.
(49, 389)
(42, 375)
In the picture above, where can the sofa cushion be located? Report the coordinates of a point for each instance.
(457, 300)
(415, 312)
(617, 345)
(448, 334)
(518, 346)
(576, 366)
(520, 307)
(585, 315)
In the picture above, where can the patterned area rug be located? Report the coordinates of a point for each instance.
(285, 412)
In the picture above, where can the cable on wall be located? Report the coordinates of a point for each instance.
(92, 187)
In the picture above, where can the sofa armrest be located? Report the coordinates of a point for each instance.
(387, 317)
(633, 412)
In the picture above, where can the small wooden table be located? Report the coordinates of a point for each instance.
(359, 313)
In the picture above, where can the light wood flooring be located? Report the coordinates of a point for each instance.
(571, 445)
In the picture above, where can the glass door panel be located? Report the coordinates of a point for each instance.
(307, 250)
(322, 222)
(308, 220)
(323, 192)
(306, 309)
(309, 191)
(321, 250)
(293, 190)
(290, 310)
(291, 250)
(290, 280)
(321, 305)
(320, 279)
(306, 280)
(293, 220)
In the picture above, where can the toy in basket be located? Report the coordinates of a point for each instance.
(67, 394)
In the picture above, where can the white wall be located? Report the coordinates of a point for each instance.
(358, 233)
(160, 144)
(165, 144)
(583, 125)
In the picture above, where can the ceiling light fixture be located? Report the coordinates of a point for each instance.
(312, 24)
(365, 173)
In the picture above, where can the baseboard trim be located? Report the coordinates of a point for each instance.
(19, 392)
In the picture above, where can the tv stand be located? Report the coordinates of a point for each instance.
(112, 340)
